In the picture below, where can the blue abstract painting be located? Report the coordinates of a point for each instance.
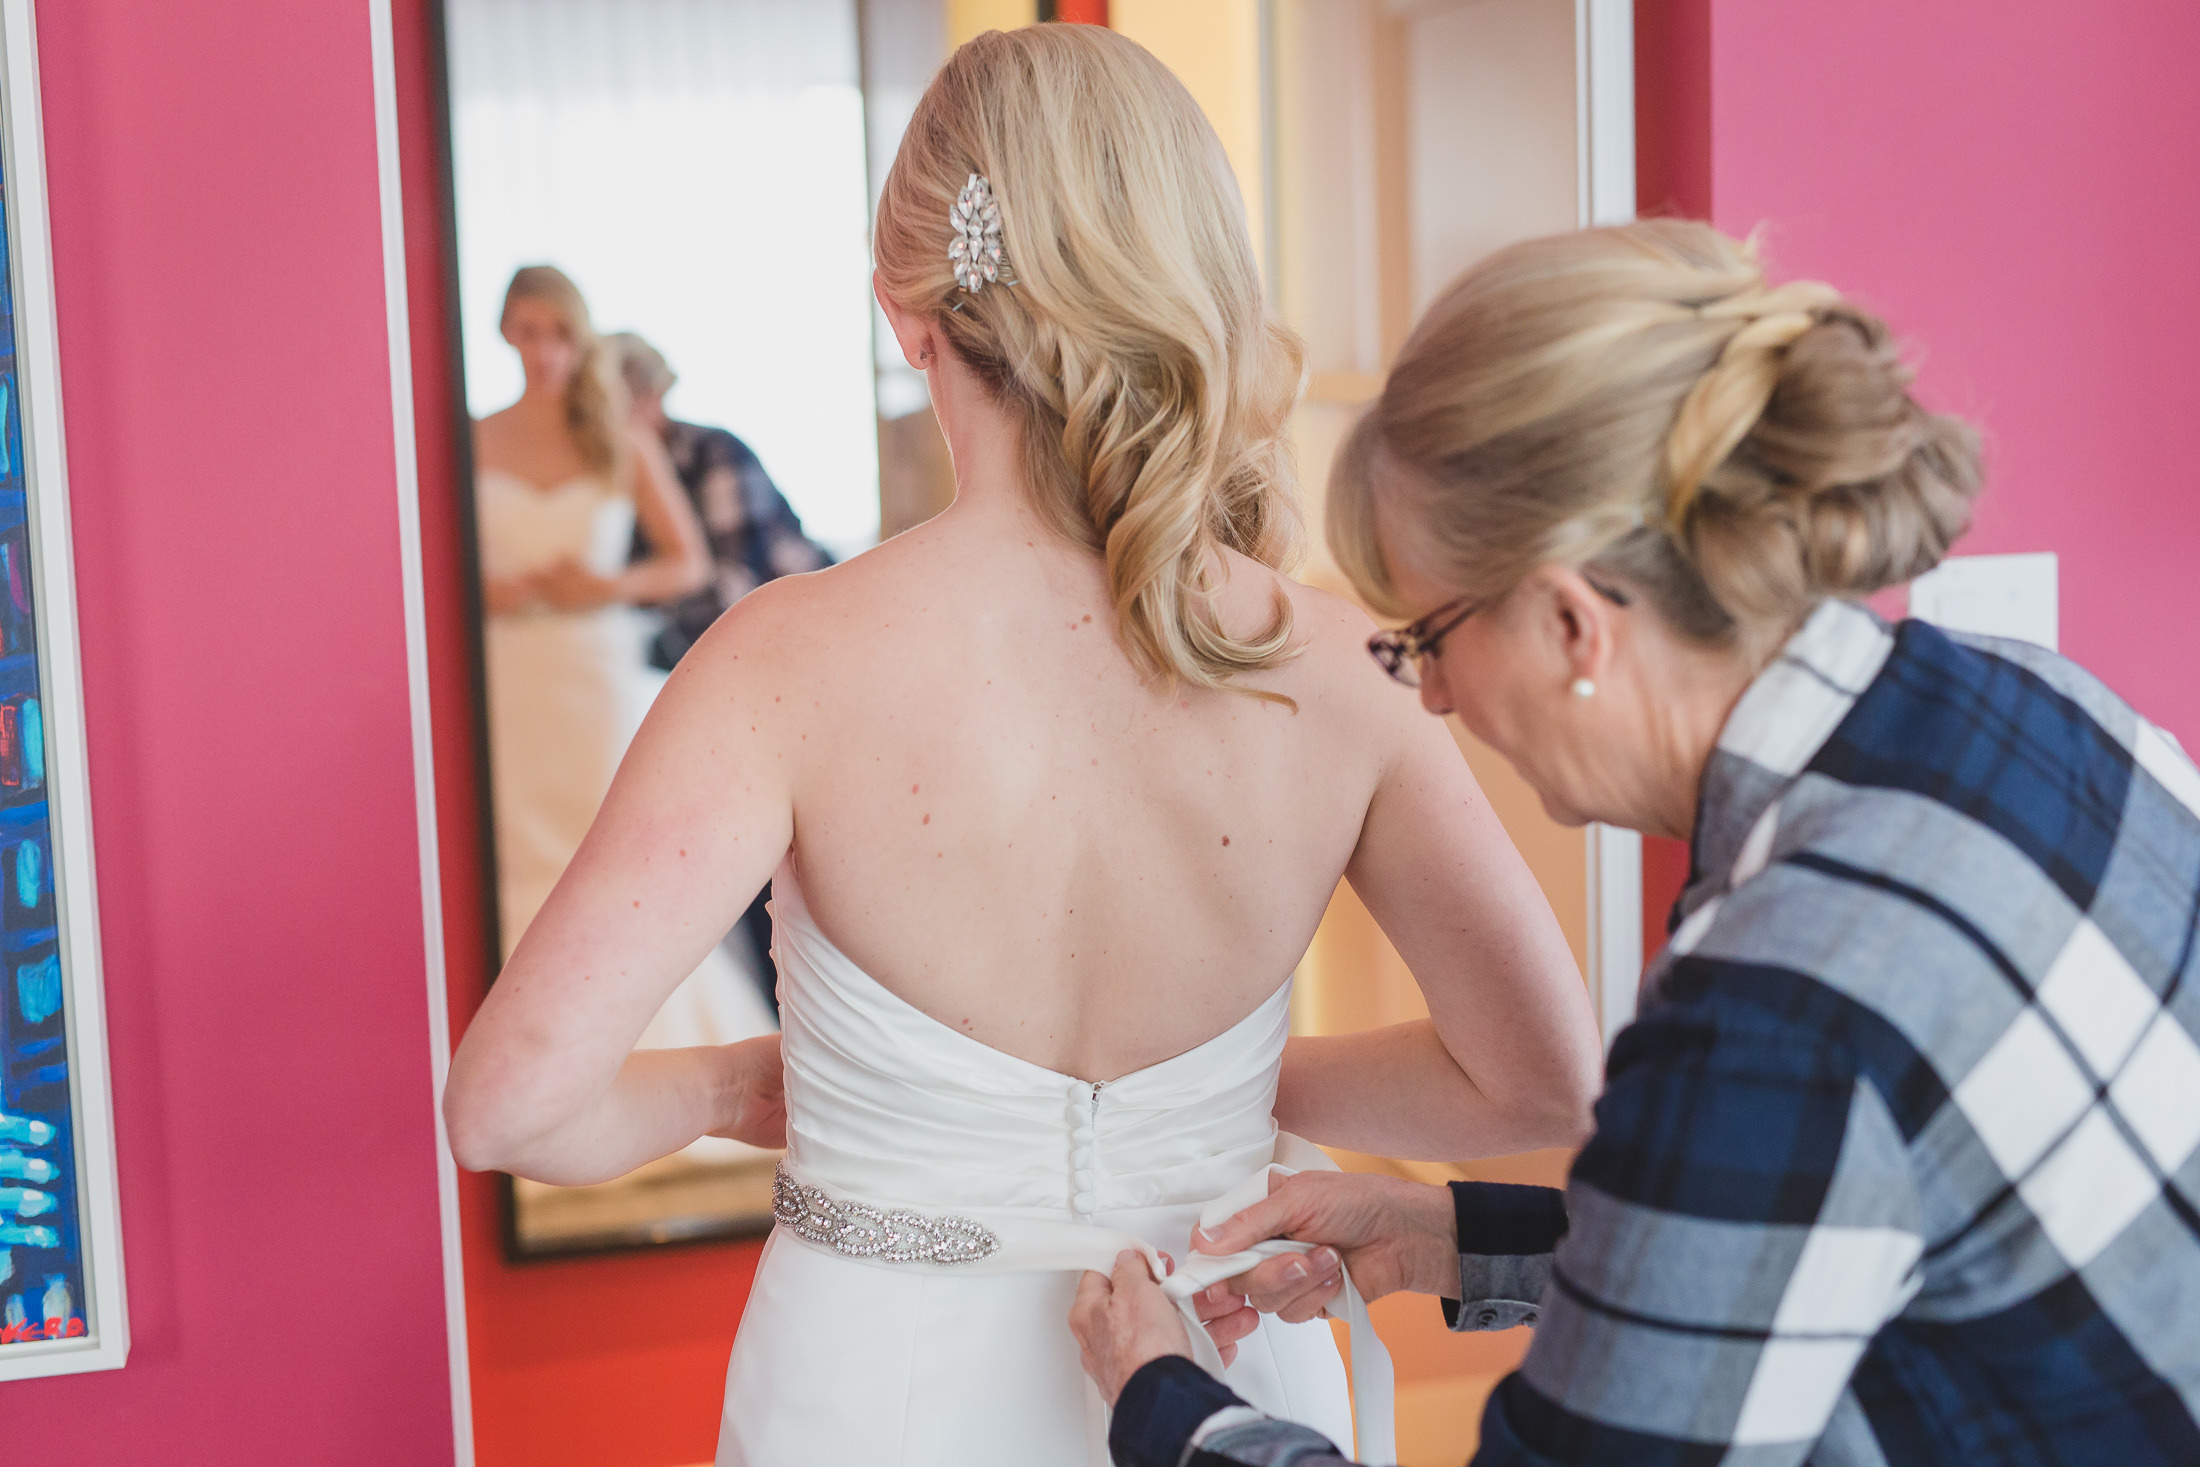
(42, 1280)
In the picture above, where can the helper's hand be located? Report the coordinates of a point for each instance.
(1392, 1234)
(1227, 1316)
(753, 1093)
(1123, 1323)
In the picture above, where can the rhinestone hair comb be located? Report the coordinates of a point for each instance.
(976, 250)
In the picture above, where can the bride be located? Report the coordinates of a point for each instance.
(1055, 789)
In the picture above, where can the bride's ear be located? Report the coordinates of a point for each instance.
(919, 346)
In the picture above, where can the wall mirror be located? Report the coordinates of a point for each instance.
(673, 392)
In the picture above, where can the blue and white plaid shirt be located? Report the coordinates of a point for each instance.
(1901, 1163)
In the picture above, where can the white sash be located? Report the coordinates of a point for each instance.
(1040, 1245)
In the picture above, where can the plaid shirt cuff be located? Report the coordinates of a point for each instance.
(1506, 1236)
(1163, 1403)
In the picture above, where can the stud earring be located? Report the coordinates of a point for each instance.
(924, 358)
(1583, 688)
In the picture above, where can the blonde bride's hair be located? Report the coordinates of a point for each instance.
(595, 401)
(1150, 382)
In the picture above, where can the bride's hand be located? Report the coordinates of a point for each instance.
(753, 1105)
(501, 595)
(571, 586)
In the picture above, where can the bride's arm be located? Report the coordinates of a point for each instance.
(1509, 1059)
(545, 1083)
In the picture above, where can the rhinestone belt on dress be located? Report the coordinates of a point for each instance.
(867, 1232)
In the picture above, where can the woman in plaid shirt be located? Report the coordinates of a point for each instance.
(1901, 1163)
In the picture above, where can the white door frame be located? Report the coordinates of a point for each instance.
(383, 43)
(1604, 132)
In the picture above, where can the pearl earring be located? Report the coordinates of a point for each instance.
(1583, 688)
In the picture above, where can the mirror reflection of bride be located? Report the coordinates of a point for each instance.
(1053, 791)
(561, 481)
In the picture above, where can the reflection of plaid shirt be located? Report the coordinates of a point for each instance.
(753, 533)
(1902, 1162)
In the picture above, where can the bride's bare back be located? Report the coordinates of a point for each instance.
(1004, 823)
(1001, 821)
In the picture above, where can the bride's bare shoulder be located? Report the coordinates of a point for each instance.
(1329, 670)
(1329, 622)
(796, 627)
(1324, 625)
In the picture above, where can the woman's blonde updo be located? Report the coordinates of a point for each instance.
(594, 399)
(1149, 381)
(1639, 399)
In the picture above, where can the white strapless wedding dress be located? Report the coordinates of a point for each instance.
(906, 1136)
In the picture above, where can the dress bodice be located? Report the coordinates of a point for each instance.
(886, 1101)
(526, 528)
(904, 1133)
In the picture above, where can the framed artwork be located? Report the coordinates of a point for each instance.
(61, 1294)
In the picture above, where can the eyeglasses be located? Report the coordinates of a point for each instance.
(1400, 653)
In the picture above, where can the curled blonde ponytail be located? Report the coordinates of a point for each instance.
(1150, 383)
(595, 403)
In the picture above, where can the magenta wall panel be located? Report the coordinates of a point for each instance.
(2012, 182)
(226, 380)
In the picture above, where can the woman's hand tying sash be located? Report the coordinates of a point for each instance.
(1124, 1322)
(1111, 1333)
(1391, 1235)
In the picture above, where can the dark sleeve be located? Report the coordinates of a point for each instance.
(1507, 1234)
(715, 448)
(1169, 1399)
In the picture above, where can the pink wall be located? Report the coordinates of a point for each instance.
(218, 263)
(2012, 183)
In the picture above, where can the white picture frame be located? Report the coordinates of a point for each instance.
(56, 738)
